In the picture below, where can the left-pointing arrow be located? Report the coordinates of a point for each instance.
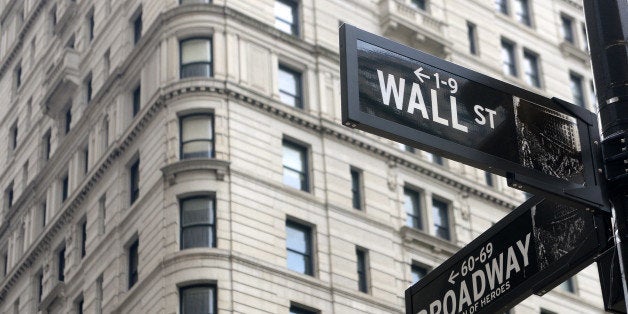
(452, 276)
(420, 75)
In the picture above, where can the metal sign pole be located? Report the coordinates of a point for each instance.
(607, 27)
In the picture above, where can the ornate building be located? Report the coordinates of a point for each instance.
(187, 157)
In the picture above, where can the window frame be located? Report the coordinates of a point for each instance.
(65, 187)
(295, 29)
(421, 5)
(82, 226)
(448, 236)
(567, 29)
(304, 150)
(136, 100)
(297, 75)
(309, 253)
(417, 212)
(214, 290)
(300, 309)
(578, 80)
(363, 269)
(510, 48)
(525, 16)
(182, 143)
(209, 63)
(357, 188)
(134, 180)
(534, 79)
(472, 37)
(418, 266)
(210, 225)
(138, 25)
(61, 262)
(13, 133)
(133, 258)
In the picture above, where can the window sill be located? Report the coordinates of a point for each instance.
(437, 245)
(570, 50)
(57, 291)
(219, 168)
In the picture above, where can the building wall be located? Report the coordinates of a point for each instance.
(248, 264)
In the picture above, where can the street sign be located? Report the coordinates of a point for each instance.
(531, 250)
(543, 146)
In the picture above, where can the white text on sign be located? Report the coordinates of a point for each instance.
(391, 87)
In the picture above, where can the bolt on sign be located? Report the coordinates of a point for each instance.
(541, 145)
(533, 249)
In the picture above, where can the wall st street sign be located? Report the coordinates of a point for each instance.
(544, 146)
(533, 249)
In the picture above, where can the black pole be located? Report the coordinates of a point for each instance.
(607, 28)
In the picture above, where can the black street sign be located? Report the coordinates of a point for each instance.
(544, 146)
(531, 250)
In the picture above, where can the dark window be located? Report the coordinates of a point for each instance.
(412, 206)
(9, 195)
(99, 293)
(137, 93)
(295, 173)
(299, 247)
(568, 285)
(13, 135)
(419, 4)
(501, 6)
(133, 262)
(472, 36)
(522, 12)
(135, 181)
(437, 159)
(61, 264)
(90, 26)
(137, 28)
(47, 145)
(362, 268)
(488, 177)
(198, 222)
(567, 28)
(40, 285)
(286, 16)
(65, 188)
(85, 160)
(53, 16)
(79, 305)
(440, 211)
(577, 91)
(18, 76)
(585, 39)
(44, 209)
(544, 311)
(83, 227)
(509, 65)
(197, 136)
(409, 149)
(356, 188)
(5, 264)
(198, 299)
(290, 91)
(196, 57)
(531, 68)
(88, 88)
(68, 120)
(299, 310)
(418, 272)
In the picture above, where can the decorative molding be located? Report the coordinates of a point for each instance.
(438, 245)
(219, 167)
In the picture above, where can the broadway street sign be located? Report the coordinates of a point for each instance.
(533, 249)
(541, 145)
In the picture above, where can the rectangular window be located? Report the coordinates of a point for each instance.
(18, 76)
(106, 62)
(568, 285)
(78, 304)
(362, 267)
(295, 309)
(5, 263)
(102, 213)
(16, 306)
(522, 12)
(419, 4)
(409, 149)
(83, 236)
(585, 39)
(509, 65)
(134, 184)
(567, 28)
(99, 294)
(13, 137)
(412, 206)
(61, 264)
(65, 187)
(8, 193)
(418, 272)
(295, 165)
(488, 178)
(356, 188)
(40, 285)
(68, 120)
(198, 222)
(133, 256)
(286, 16)
(437, 159)
(88, 88)
(531, 68)
(440, 212)
(85, 157)
(299, 248)
(137, 94)
(472, 37)
(198, 299)
(196, 57)
(290, 90)
(577, 91)
(46, 145)
(197, 136)
(137, 28)
(90, 26)
(501, 6)
(53, 16)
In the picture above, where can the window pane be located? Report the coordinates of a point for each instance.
(298, 310)
(531, 69)
(290, 87)
(567, 28)
(285, 16)
(501, 6)
(293, 157)
(471, 29)
(298, 262)
(201, 236)
(522, 11)
(197, 149)
(441, 218)
(411, 206)
(296, 240)
(298, 247)
(576, 89)
(197, 210)
(508, 59)
(418, 273)
(198, 300)
(195, 50)
(197, 127)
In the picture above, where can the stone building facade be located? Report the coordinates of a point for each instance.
(182, 156)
